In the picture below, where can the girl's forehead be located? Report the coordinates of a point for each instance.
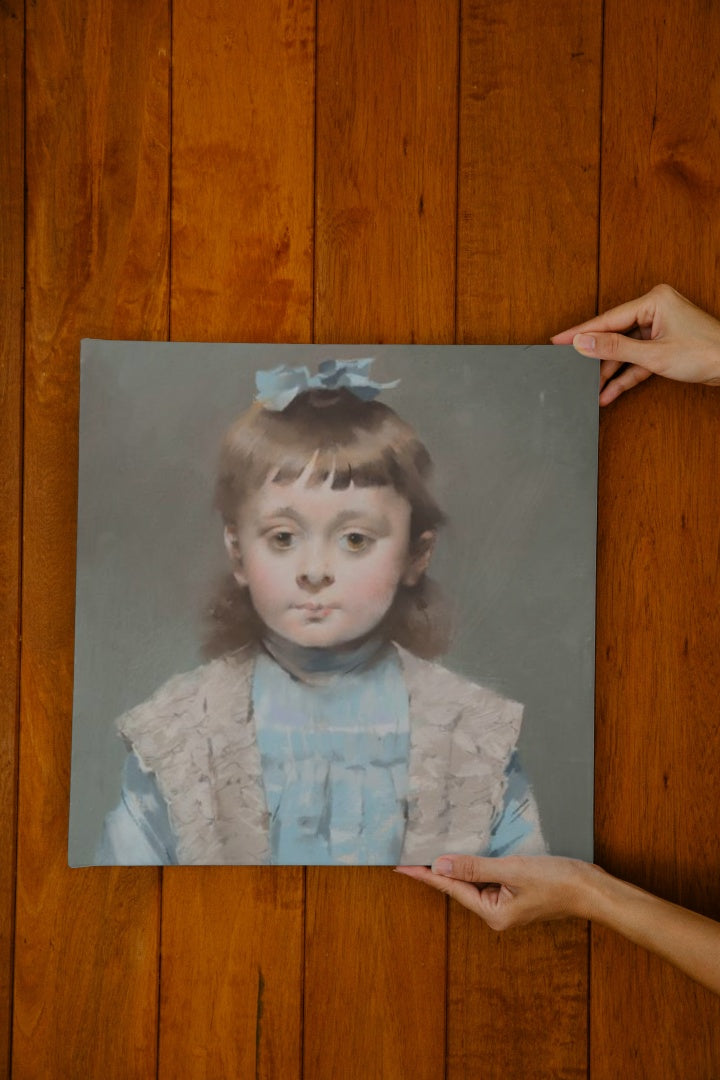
(315, 501)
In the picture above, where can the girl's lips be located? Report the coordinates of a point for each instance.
(315, 607)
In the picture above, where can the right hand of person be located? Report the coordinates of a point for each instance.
(660, 333)
(519, 889)
(513, 890)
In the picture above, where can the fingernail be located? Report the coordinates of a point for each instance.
(584, 341)
(442, 866)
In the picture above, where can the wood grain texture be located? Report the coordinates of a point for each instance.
(12, 223)
(384, 271)
(527, 243)
(231, 998)
(517, 1001)
(243, 142)
(367, 980)
(243, 138)
(374, 976)
(657, 734)
(97, 233)
(529, 159)
(658, 781)
(386, 171)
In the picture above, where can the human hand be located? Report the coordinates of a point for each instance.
(513, 890)
(660, 333)
(520, 889)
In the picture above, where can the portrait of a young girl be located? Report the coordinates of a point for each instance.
(323, 725)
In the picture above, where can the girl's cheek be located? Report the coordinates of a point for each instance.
(379, 587)
(261, 572)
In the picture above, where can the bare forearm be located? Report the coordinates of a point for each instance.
(689, 941)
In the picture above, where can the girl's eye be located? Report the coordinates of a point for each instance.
(282, 540)
(356, 541)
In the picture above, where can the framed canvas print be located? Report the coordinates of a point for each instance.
(335, 604)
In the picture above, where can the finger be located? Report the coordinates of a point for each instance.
(421, 873)
(466, 894)
(498, 907)
(475, 868)
(622, 349)
(608, 368)
(628, 378)
(622, 317)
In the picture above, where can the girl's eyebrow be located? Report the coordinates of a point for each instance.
(378, 522)
(283, 512)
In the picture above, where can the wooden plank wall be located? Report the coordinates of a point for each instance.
(376, 170)
(658, 674)
(96, 223)
(12, 253)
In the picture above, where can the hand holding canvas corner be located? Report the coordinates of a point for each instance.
(517, 890)
(513, 890)
(660, 333)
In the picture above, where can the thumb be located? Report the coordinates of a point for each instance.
(620, 349)
(466, 868)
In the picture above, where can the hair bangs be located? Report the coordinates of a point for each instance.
(337, 466)
(326, 437)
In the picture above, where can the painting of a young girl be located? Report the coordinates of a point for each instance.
(322, 730)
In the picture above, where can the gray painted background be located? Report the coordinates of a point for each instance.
(513, 433)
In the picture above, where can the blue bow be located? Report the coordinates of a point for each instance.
(278, 387)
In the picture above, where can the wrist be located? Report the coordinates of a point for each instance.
(612, 902)
(595, 892)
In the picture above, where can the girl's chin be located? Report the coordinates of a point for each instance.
(319, 639)
(319, 636)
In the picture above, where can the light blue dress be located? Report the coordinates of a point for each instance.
(334, 761)
(334, 754)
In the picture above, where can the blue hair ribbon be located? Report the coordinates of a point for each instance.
(281, 385)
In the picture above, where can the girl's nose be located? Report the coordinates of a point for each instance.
(312, 580)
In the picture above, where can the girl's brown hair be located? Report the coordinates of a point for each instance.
(348, 441)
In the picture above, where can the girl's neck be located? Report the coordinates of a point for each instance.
(319, 666)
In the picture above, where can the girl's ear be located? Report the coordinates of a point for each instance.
(419, 557)
(232, 546)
